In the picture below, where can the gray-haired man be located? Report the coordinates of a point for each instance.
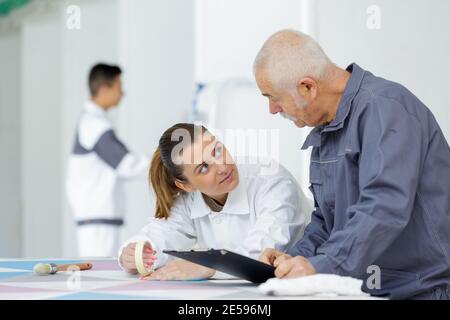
(379, 172)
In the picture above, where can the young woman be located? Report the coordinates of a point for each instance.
(204, 199)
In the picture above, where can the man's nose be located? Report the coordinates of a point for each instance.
(274, 108)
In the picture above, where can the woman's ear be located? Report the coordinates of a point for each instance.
(185, 186)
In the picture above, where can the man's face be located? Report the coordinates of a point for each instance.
(113, 93)
(290, 105)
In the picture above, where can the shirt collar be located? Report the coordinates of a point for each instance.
(237, 202)
(351, 89)
(91, 106)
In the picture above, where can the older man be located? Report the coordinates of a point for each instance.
(379, 173)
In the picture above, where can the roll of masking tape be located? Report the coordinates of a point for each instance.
(139, 259)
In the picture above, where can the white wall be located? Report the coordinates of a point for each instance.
(229, 34)
(153, 41)
(96, 41)
(42, 190)
(156, 51)
(412, 46)
(10, 154)
(163, 47)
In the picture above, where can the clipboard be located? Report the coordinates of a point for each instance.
(229, 262)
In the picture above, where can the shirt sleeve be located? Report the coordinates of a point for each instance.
(279, 218)
(389, 166)
(175, 233)
(112, 151)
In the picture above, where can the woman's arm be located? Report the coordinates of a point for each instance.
(177, 233)
(280, 218)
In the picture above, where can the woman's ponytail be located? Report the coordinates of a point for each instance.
(163, 184)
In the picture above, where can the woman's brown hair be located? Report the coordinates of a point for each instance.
(164, 172)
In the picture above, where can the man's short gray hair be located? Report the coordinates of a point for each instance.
(289, 55)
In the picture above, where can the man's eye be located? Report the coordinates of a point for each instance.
(204, 168)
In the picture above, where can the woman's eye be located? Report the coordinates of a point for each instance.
(204, 168)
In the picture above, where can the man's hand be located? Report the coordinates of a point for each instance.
(181, 270)
(293, 267)
(270, 255)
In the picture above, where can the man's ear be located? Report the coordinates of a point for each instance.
(307, 88)
(102, 90)
(184, 186)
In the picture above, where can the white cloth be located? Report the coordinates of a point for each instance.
(98, 240)
(98, 167)
(314, 285)
(263, 211)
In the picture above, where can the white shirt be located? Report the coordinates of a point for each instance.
(98, 166)
(263, 211)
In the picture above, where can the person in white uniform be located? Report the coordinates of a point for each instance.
(98, 166)
(204, 199)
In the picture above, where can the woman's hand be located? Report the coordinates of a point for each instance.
(181, 270)
(127, 259)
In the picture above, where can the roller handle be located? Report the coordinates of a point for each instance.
(82, 266)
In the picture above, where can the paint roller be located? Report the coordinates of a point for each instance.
(52, 268)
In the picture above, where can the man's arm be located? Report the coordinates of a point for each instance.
(389, 170)
(111, 150)
(315, 235)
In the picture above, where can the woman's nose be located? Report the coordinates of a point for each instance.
(221, 168)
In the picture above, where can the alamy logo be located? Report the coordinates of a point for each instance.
(374, 280)
(73, 21)
(73, 282)
(374, 18)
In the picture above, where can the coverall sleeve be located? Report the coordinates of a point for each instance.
(315, 235)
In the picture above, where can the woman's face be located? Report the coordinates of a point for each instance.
(209, 168)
